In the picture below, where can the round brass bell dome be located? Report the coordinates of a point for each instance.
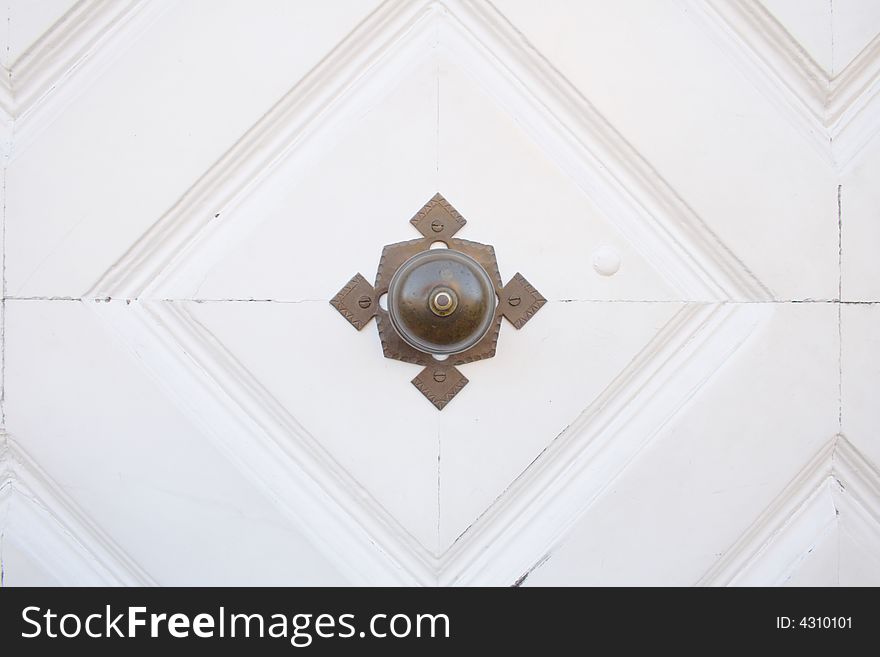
(441, 302)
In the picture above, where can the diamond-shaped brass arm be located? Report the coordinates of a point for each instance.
(357, 301)
(440, 304)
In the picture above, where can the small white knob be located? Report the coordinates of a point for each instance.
(606, 260)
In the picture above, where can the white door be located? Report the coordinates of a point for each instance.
(691, 184)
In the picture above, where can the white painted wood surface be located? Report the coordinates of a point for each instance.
(691, 184)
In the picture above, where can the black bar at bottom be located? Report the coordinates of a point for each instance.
(434, 621)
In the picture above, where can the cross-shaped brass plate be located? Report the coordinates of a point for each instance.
(358, 301)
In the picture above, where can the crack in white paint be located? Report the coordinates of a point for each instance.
(839, 310)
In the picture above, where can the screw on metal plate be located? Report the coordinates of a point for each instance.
(441, 302)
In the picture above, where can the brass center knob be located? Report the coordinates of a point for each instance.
(441, 301)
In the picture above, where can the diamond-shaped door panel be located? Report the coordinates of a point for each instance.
(259, 284)
(261, 265)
